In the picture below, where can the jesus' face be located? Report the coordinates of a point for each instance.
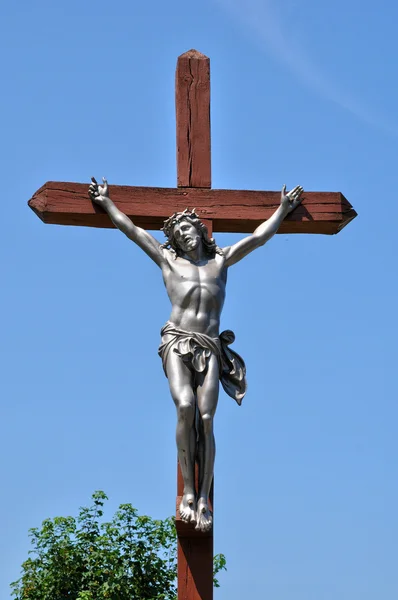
(186, 236)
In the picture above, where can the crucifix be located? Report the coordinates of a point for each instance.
(195, 355)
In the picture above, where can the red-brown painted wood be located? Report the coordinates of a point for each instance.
(65, 203)
(195, 553)
(195, 565)
(193, 120)
(209, 226)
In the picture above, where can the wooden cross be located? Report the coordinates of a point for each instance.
(221, 210)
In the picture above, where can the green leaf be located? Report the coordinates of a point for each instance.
(130, 557)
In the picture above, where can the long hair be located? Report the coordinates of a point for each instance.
(209, 244)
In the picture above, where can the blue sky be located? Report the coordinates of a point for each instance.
(302, 93)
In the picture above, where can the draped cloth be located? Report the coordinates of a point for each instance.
(195, 350)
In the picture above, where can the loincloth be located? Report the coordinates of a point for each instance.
(195, 350)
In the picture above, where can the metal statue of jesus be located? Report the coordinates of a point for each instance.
(195, 356)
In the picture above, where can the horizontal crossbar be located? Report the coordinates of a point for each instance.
(63, 203)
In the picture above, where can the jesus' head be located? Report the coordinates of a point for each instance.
(185, 231)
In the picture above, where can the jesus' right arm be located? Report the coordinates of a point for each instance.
(100, 195)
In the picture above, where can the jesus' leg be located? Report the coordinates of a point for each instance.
(207, 397)
(181, 387)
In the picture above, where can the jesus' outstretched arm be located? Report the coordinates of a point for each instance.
(265, 231)
(100, 195)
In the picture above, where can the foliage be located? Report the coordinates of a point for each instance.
(131, 557)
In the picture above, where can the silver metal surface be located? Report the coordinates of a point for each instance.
(195, 356)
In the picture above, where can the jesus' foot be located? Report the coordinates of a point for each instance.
(188, 508)
(204, 518)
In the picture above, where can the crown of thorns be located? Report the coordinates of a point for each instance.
(172, 221)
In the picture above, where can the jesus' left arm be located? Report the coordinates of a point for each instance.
(265, 231)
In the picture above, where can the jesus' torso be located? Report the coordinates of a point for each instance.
(196, 292)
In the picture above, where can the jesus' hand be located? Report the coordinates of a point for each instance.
(290, 200)
(99, 193)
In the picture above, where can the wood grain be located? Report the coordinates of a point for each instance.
(195, 552)
(64, 203)
(193, 120)
(195, 568)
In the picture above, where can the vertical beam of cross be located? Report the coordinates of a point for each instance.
(195, 549)
(193, 120)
